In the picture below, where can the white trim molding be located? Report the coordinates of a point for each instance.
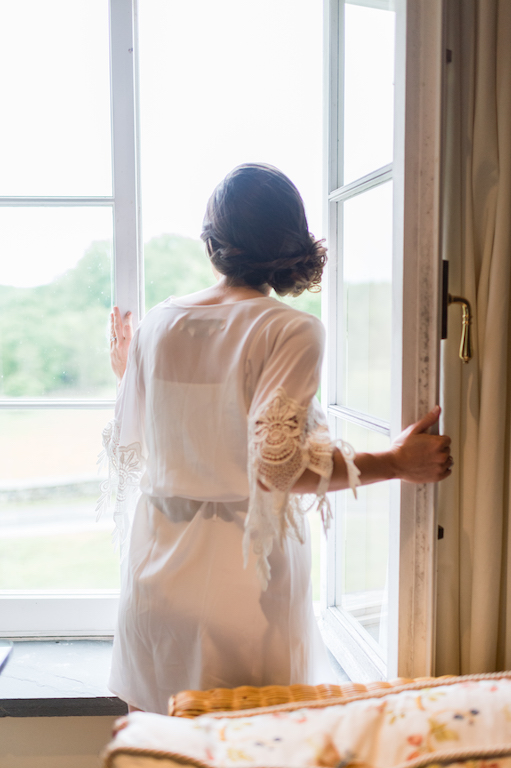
(52, 613)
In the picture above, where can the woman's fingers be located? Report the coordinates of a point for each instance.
(128, 327)
(423, 458)
(122, 331)
(427, 421)
(443, 446)
(117, 323)
(120, 339)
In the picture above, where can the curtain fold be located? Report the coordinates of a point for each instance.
(474, 581)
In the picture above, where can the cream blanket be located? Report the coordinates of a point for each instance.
(446, 722)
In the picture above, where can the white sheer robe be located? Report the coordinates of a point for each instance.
(216, 590)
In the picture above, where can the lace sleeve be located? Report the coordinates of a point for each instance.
(348, 454)
(125, 467)
(286, 438)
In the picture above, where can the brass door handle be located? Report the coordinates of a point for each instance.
(466, 322)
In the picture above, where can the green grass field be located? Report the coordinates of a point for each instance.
(84, 560)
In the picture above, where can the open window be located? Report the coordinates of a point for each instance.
(72, 238)
(381, 308)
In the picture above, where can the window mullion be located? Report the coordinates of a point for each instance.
(373, 179)
(54, 404)
(53, 201)
(128, 270)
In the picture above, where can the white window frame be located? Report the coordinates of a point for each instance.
(71, 613)
(358, 654)
(416, 185)
(416, 172)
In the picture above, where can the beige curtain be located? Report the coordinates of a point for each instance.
(474, 578)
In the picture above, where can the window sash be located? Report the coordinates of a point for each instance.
(93, 612)
(353, 647)
(417, 173)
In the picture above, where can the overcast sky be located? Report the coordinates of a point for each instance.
(222, 83)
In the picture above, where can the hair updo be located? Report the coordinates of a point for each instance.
(256, 232)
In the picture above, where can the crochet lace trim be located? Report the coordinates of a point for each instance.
(286, 438)
(125, 468)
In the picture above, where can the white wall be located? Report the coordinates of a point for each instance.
(53, 742)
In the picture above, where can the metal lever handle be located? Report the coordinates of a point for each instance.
(466, 322)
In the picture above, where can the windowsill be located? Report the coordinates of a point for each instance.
(58, 678)
(61, 678)
(332, 648)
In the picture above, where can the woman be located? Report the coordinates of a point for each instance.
(215, 426)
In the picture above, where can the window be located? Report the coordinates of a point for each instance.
(111, 217)
(74, 160)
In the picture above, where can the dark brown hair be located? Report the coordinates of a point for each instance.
(256, 232)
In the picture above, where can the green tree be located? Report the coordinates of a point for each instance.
(54, 338)
(175, 266)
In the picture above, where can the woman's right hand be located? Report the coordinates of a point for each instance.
(120, 340)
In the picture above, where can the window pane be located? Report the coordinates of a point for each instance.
(212, 97)
(55, 298)
(49, 485)
(368, 88)
(56, 98)
(363, 538)
(367, 274)
(316, 529)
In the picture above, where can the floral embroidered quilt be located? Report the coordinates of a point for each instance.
(455, 722)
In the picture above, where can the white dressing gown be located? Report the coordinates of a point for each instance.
(216, 586)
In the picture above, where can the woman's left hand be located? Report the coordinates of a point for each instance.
(120, 340)
(419, 457)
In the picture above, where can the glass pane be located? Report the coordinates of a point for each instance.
(202, 114)
(316, 530)
(363, 537)
(367, 275)
(368, 88)
(49, 485)
(55, 298)
(56, 96)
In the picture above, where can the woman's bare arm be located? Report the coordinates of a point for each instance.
(415, 456)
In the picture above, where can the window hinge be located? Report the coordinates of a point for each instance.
(445, 296)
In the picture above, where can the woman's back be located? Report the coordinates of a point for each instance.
(200, 382)
(203, 369)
